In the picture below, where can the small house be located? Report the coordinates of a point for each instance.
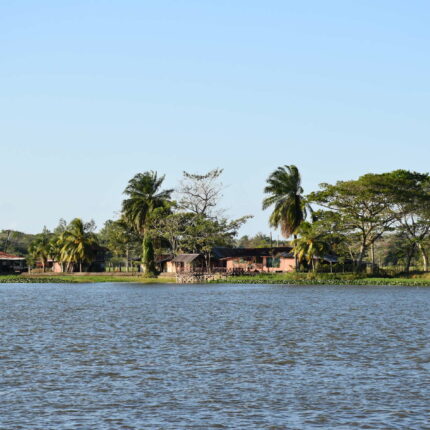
(11, 263)
(273, 259)
(185, 263)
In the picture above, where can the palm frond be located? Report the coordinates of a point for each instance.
(286, 195)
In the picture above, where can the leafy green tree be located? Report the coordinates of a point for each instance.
(148, 255)
(363, 209)
(40, 248)
(15, 242)
(310, 244)
(260, 240)
(120, 239)
(61, 227)
(78, 243)
(409, 197)
(329, 226)
(203, 234)
(144, 197)
(55, 248)
(397, 250)
(173, 227)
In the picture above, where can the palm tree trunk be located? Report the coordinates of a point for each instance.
(80, 266)
(424, 256)
(296, 260)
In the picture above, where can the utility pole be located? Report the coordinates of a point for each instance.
(6, 242)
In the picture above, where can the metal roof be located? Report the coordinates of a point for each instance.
(327, 258)
(276, 251)
(5, 256)
(185, 258)
(163, 258)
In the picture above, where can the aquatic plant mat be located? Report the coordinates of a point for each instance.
(327, 279)
(55, 279)
(16, 279)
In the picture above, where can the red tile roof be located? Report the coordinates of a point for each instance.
(5, 256)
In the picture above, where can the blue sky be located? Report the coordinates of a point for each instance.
(92, 92)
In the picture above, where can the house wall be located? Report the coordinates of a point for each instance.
(170, 267)
(174, 267)
(286, 265)
(9, 266)
(236, 263)
(56, 267)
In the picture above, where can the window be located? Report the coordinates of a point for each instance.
(245, 259)
(273, 262)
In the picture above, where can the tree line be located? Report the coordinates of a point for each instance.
(350, 219)
(153, 220)
(377, 218)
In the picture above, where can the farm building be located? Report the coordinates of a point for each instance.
(11, 263)
(276, 259)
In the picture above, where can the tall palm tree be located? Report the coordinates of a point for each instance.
(40, 250)
(78, 243)
(310, 245)
(55, 248)
(144, 197)
(285, 193)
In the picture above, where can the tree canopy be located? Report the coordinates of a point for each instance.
(285, 194)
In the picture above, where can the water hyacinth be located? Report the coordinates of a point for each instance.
(15, 279)
(346, 282)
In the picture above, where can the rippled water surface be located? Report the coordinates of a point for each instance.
(125, 356)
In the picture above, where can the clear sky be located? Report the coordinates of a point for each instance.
(92, 92)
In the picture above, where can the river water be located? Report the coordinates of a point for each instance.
(127, 356)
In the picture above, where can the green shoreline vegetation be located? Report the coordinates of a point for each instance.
(328, 279)
(418, 280)
(81, 279)
(374, 230)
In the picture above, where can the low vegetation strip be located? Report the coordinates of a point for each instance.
(107, 278)
(22, 279)
(17, 279)
(406, 282)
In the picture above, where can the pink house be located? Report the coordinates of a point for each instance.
(276, 259)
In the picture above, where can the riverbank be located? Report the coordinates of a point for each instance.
(281, 279)
(80, 279)
(328, 279)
